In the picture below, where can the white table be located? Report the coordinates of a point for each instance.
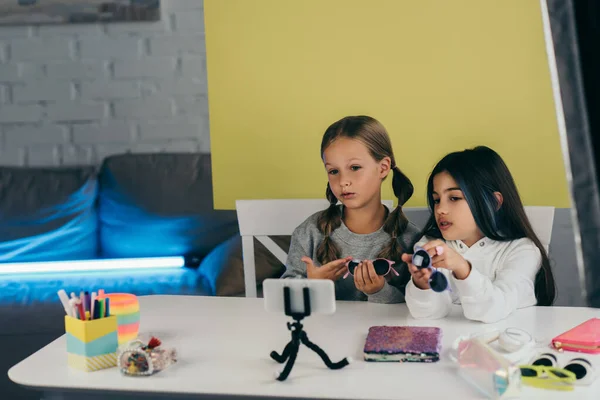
(224, 346)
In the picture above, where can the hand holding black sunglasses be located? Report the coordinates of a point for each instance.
(421, 259)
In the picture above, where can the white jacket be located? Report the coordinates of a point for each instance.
(501, 280)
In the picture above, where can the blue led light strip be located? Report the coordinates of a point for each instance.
(92, 265)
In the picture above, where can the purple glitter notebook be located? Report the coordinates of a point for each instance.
(403, 344)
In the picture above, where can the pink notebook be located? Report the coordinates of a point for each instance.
(584, 338)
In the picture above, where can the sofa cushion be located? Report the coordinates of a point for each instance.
(160, 204)
(222, 271)
(47, 214)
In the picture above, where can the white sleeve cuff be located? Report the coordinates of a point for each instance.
(419, 295)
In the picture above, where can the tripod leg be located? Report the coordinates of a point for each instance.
(284, 354)
(331, 365)
(282, 376)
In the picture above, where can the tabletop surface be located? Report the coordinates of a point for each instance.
(223, 347)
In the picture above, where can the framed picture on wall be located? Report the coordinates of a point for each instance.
(25, 12)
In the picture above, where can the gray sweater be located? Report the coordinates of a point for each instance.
(306, 239)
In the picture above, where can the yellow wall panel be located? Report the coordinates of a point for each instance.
(440, 75)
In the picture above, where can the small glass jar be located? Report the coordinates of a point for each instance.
(137, 359)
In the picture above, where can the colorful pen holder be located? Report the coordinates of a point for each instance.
(126, 308)
(91, 345)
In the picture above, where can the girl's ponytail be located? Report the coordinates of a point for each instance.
(329, 220)
(396, 223)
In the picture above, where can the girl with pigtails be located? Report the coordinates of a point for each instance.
(357, 242)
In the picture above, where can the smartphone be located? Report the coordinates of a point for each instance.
(321, 293)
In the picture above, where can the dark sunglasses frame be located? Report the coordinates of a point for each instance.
(380, 268)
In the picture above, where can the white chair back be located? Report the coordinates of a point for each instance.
(541, 219)
(263, 218)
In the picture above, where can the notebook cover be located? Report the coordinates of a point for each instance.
(403, 344)
(585, 337)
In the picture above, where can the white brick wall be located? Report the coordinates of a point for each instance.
(73, 94)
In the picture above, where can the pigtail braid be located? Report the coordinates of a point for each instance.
(396, 222)
(329, 220)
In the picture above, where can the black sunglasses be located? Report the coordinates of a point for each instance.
(382, 266)
(437, 281)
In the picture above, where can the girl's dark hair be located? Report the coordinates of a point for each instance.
(373, 135)
(479, 172)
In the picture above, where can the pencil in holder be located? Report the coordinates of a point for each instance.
(91, 345)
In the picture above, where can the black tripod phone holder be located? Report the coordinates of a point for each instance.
(299, 336)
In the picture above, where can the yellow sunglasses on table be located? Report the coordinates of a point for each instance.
(544, 377)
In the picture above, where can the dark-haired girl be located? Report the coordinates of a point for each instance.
(479, 236)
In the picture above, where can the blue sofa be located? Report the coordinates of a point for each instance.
(133, 205)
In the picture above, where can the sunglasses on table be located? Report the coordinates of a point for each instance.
(581, 368)
(382, 267)
(421, 259)
(546, 377)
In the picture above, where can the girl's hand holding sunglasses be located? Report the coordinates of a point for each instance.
(424, 274)
(420, 276)
(424, 262)
(333, 270)
(369, 275)
(443, 256)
